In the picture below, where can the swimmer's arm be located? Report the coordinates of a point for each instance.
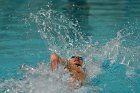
(56, 59)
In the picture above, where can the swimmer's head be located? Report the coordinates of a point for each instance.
(79, 58)
(76, 60)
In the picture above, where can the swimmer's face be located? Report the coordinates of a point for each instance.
(76, 60)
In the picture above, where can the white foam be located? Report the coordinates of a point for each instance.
(42, 80)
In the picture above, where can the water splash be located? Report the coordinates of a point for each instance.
(62, 35)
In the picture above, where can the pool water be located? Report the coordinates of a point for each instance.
(105, 33)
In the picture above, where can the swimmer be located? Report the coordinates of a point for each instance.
(74, 66)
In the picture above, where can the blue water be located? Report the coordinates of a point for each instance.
(105, 33)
